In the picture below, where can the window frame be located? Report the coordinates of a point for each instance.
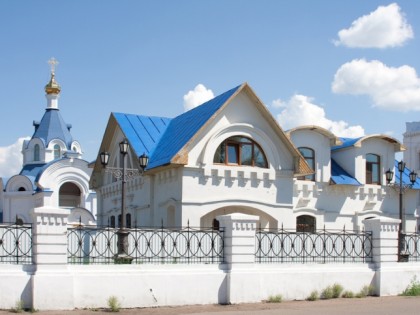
(311, 162)
(239, 142)
(306, 224)
(369, 171)
(37, 153)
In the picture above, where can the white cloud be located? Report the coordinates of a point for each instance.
(300, 111)
(384, 27)
(390, 88)
(11, 158)
(196, 97)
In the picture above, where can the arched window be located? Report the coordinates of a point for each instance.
(57, 151)
(112, 221)
(36, 152)
(21, 189)
(309, 156)
(240, 151)
(373, 169)
(119, 220)
(305, 223)
(128, 220)
(69, 195)
(74, 149)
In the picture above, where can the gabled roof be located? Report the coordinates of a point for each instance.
(340, 177)
(166, 140)
(52, 126)
(183, 127)
(357, 142)
(405, 177)
(162, 138)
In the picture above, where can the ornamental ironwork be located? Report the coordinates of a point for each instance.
(146, 245)
(412, 246)
(285, 246)
(15, 243)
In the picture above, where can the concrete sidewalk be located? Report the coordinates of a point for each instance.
(366, 306)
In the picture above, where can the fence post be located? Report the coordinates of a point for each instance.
(384, 239)
(239, 254)
(385, 254)
(52, 284)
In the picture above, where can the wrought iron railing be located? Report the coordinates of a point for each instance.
(285, 246)
(15, 243)
(146, 245)
(412, 246)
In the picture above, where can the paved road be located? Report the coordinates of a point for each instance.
(367, 306)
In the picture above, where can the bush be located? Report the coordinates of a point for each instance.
(314, 296)
(366, 291)
(413, 289)
(114, 304)
(348, 295)
(327, 293)
(19, 307)
(275, 298)
(337, 290)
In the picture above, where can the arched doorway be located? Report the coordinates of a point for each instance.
(265, 220)
(69, 196)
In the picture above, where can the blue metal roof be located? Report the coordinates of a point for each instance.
(32, 171)
(405, 177)
(182, 128)
(162, 138)
(52, 126)
(340, 177)
(143, 132)
(346, 142)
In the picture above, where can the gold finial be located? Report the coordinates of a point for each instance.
(52, 87)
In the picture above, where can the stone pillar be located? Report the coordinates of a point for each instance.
(385, 255)
(52, 284)
(239, 252)
(384, 239)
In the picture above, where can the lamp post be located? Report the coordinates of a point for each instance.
(401, 188)
(123, 173)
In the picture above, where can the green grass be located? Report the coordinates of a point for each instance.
(275, 298)
(348, 294)
(314, 296)
(327, 293)
(337, 290)
(113, 304)
(367, 290)
(413, 289)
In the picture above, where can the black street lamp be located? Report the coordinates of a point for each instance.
(401, 188)
(123, 174)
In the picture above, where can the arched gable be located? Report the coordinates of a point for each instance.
(17, 182)
(246, 130)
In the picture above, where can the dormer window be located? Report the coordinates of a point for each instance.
(240, 151)
(57, 151)
(373, 169)
(36, 152)
(309, 156)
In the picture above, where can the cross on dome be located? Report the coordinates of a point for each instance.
(53, 63)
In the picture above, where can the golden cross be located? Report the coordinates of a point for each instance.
(53, 63)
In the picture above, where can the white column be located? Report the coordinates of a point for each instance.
(384, 239)
(52, 284)
(239, 238)
(242, 283)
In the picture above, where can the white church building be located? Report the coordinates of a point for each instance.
(53, 174)
(229, 155)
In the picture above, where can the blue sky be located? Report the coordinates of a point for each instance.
(351, 66)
